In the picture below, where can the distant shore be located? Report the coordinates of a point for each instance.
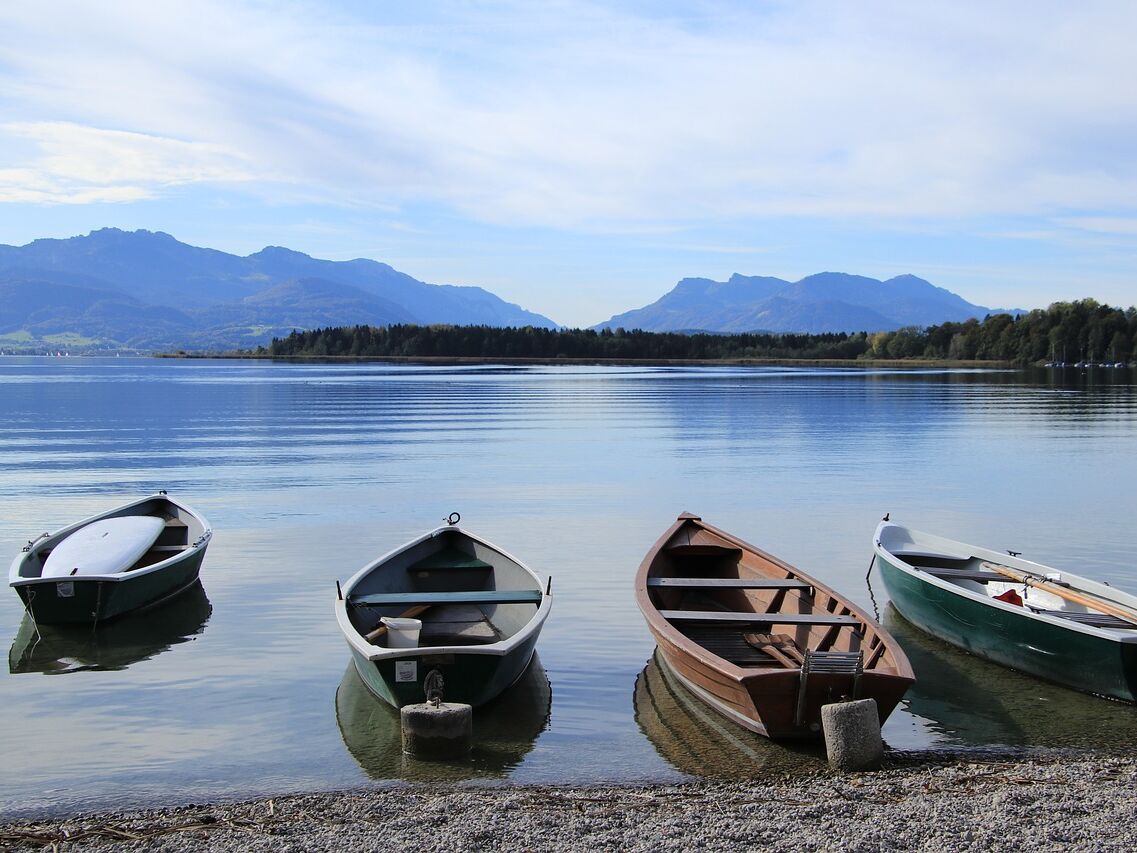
(872, 364)
(920, 801)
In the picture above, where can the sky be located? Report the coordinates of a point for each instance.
(580, 158)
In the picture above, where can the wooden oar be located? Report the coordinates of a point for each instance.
(1085, 598)
(411, 613)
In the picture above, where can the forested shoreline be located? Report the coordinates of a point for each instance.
(1064, 332)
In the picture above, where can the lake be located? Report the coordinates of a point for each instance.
(244, 687)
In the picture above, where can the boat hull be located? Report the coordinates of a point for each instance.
(767, 702)
(472, 679)
(1082, 660)
(56, 601)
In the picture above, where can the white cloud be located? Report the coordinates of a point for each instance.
(580, 116)
(78, 165)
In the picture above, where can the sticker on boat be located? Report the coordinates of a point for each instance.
(406, 670)
(103, 547)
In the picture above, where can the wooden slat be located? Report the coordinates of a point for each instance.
(757, 618)
(729, 583)
(485, 596)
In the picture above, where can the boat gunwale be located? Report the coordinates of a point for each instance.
(54, 538)
(897, 561)
(501, 648)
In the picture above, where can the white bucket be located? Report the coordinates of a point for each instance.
(402, 633)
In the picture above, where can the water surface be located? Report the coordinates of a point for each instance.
(309, 471)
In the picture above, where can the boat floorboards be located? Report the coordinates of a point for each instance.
(731, 646)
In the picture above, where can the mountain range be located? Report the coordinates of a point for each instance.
(825, 302)
(147, 291)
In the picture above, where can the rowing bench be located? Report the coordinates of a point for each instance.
(729, 583)
(481, 596)
(727, 618)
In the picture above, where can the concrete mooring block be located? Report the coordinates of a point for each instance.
(852, 735)
(445, 730)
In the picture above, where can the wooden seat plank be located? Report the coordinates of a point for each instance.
(729, 618)
(729, 583)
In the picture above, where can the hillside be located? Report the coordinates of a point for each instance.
(147, 291)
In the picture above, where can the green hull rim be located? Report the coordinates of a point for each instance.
(1068, 657)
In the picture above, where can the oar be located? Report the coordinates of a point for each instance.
(1088, 599)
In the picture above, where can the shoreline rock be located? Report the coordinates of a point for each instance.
(918, 802)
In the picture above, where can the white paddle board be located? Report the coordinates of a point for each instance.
(103, 547)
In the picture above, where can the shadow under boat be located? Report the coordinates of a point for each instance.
(60, 649)
(505, 731)
(699, 742)
(970, 702)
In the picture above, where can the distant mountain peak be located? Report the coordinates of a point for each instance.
(155, 292)
(818, 303)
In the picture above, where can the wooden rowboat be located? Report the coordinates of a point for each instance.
(130, 557)
(449, 602)
(1053, 624)
(756, 639)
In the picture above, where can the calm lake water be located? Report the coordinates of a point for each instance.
(244, 687)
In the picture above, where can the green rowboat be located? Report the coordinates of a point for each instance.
(1053, 624)
(447, 602)
(133, 556)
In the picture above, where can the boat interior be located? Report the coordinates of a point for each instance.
(176, 536)
(755, 612)
(986, 578)
(463, 593)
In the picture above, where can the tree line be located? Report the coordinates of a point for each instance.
(1065, 331)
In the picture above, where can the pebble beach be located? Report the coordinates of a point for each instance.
(919, 802)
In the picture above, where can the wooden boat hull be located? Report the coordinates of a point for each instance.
(168, 569)
(767, 702)
(441, 571)
(1082, 658)
(753, 591)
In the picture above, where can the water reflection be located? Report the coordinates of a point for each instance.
(967, 701)
(59, 649)
(697, 741)
(505, 731)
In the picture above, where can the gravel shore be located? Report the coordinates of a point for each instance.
(918, 802)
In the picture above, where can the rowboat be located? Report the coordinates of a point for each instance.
(1030, 617)
(447, 602)
(757, 640)
(133, 556)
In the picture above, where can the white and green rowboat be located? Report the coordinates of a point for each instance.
(449, 602)
(1053, 624)
(133, 556)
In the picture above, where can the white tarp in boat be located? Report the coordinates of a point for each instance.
(103, 547)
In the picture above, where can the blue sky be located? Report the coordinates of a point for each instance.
(580, 158)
